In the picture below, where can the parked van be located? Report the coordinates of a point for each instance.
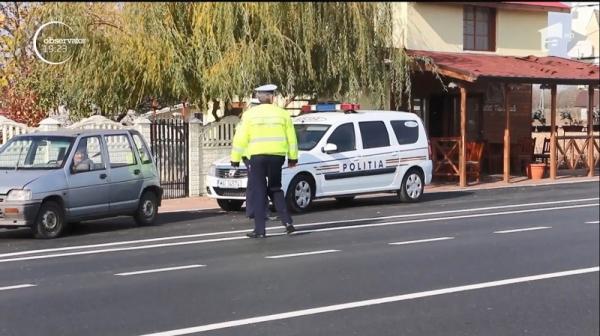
(344, 152)
(50, 179)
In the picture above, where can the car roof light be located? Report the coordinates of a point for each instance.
(330, 107)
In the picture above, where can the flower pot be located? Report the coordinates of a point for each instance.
(572, 128)
(535, 171)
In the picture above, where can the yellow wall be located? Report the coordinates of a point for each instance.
(519, 33)
(434, 27)
(439, 27)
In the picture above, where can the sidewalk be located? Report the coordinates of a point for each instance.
(487, 182)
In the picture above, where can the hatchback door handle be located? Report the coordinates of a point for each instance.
(136, 172)
(103, 176)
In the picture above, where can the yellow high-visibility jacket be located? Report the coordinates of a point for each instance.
(265, 129)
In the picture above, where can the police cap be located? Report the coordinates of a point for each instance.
(266, 88)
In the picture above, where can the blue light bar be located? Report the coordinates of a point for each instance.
(325, 107)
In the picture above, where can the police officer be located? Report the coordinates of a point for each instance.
(267, 133)
(246, 160)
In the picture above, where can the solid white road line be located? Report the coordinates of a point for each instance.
(524, 229)
(421, 241)
(122, 249)
(161, 270)
(447, 218)
(16, 287)
(453, 211)
(301, 254)
(596, 222)
(68, 248)
(353, 227)
(365, 303)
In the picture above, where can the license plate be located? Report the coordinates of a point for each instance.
(230, 184)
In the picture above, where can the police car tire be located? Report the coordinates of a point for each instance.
(411, 175)
(290, 195)
(230, 204)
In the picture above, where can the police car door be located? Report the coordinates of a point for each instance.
(335, 166)
(378, 161)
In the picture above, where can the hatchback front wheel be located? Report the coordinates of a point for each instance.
(147, 209)
(50, 222)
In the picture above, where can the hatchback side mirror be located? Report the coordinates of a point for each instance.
(329, 148)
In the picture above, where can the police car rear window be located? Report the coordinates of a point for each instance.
(407, 131)
(374, 134)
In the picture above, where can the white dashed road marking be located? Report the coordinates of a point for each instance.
(524, 229)
(16, 287)
(160, 270)
(421, 241)
(301, 254)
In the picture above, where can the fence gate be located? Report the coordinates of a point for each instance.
(169, 142)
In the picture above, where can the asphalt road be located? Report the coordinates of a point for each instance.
(515, 261)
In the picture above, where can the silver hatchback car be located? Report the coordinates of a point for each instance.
(51, 179)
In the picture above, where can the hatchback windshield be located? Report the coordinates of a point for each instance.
(35, 152)
(309, 135)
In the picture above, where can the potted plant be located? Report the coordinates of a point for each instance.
(536, 170)
(573, 126)
(539, 116)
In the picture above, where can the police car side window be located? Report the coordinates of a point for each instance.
(407, 131)
(344, 138)
(374, 134)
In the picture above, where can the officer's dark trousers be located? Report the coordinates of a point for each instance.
(249, 200)
(264, 166)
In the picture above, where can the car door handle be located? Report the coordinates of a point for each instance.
(103, 176)
(137, 172)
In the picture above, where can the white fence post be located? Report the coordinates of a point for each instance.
(196, 180)
(215, 143)
(10, 128)
(49, 124)
(142, 125)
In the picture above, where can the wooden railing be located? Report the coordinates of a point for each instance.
(446, 157)
(573, 151)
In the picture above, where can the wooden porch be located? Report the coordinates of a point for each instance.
(488, 128)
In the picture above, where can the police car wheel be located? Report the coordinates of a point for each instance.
(300, 193)
(230, 205)
(412, 186)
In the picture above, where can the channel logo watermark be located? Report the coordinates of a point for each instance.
(55, 42)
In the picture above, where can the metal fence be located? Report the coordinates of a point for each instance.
(170, 146)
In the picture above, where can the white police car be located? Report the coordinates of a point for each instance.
(343, 152)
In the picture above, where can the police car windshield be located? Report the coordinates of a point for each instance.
(309, 135)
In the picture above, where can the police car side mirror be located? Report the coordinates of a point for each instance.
(329, 148)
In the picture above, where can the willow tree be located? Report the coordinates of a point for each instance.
(223, 50)
(207, 51)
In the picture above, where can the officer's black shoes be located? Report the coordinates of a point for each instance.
(289, 229)
(255, 235)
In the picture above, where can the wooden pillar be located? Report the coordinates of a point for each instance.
(462, 165)
(506, 135)
(590, 128)
(553, 156)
